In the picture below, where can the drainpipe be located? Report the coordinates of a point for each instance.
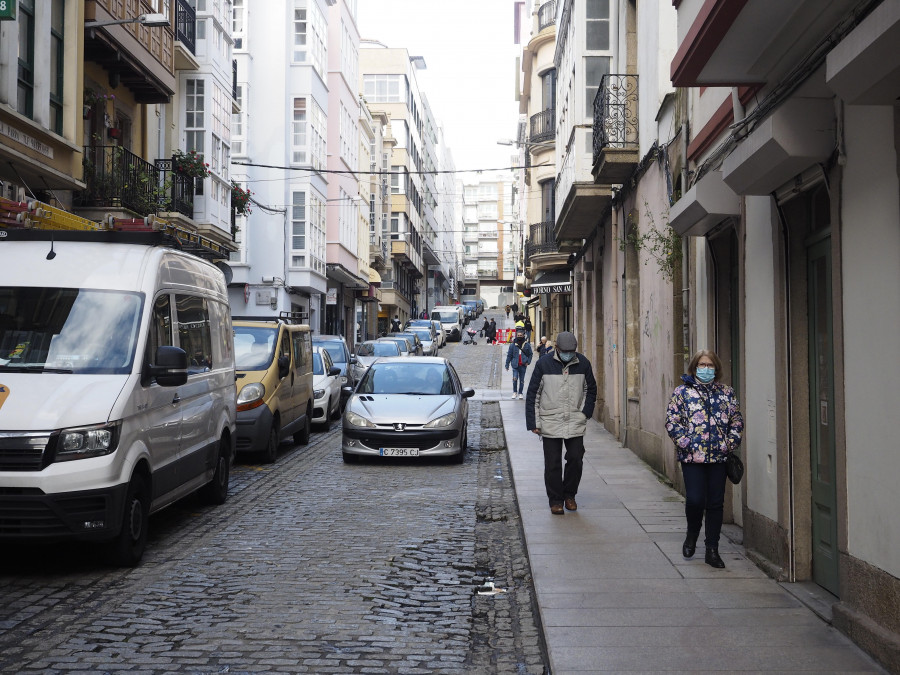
(685, 258)
(737, 106)
(617, 411)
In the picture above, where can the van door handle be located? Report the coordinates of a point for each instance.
(176, 399)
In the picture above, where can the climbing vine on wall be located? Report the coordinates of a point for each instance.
(660, 244)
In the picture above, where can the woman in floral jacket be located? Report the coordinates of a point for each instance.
(704, 420)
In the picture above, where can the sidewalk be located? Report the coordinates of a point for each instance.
(615, 594)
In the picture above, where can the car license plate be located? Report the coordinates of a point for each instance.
(399, 452)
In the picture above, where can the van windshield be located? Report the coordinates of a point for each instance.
(68, 330)
(254, 347)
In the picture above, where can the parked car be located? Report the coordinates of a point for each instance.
(415, 343)
(407, 408)
(439, 331)
(427, 337)
(341, 356)
(401, 342)
(368, 351)
(326, 388)
(275, 385)
(433, 326)
(118, 392)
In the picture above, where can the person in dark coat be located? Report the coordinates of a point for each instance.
(491, 332)
(518, 355)
(560, 400)
(486, 327)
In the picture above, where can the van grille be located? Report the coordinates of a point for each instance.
(28, 515)
(23, 452)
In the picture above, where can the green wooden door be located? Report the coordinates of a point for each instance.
(821, 402)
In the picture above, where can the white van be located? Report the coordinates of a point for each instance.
(452, 320)
(117, 386)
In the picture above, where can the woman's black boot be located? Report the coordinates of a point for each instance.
(712, 557)
(689, 545)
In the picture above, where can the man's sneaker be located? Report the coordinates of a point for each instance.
(514, 396)
(557, 509)
(570, 504)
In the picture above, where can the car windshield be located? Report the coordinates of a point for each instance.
(429, 379)
(335, 349)
(437, 316)
(424, 334)
(253, 347)
(402, 344)
(68, 330)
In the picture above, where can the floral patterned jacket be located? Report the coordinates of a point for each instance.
(704, 420)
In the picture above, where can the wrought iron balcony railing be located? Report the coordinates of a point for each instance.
(186, 25)
(615, 113)
(116, 177)
(547, 15)
(541, 239)
(488, 274)
(543, 126)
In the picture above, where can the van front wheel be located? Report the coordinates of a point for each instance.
(216, 491)
(302, 437)
(127, 548)
(270, 454)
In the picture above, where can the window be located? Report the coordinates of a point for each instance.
(25, 94)
(298, 228)
(194, 334)
(597, 25)
(57, 64)
(160, 327)
(487, 211)
(318, 133)
(349, 132)
(237, 121)
(194, 122)
(310, 33)
(385, 88)
(548, 201)
(221, 113)
(548, 89)
(238, 23)
(398, 180)
(299, 139)
(595, 67)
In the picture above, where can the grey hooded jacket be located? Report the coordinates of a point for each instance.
(561, 396)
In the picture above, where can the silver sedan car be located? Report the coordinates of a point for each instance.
(407, 408)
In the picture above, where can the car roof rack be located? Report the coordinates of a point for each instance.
(37, 221)
(294, 318)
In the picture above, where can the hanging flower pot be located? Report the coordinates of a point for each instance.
(240, 199)
(190, 164)
(114, 132)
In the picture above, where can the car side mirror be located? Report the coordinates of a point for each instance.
(170, 367)
(468, 393)
(353, 358)
(333, 371)
(284, 366)
(347, 390)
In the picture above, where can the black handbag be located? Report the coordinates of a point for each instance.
(734, 468)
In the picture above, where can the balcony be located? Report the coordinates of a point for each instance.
(186, 25)
(140, 57)
(470, 236)
(543, 126)
(542, 251)
(487, 234)
(547, 15)
(488, 274)
(615, 129)
(408, 257)
(378, 252)
(117, 178)
(487, 253)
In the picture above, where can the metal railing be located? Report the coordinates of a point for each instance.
(234, 91)
(541, 239)
(547, 15)
(186, 25)
(543, 126)
(615, 113)
(116, 177)
(488, 274)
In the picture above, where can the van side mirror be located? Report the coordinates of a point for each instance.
(170, 367)
(284, 366)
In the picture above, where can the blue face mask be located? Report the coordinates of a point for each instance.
(706, 375)
(565, 357)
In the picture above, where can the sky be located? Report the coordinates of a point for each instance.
(470, 80)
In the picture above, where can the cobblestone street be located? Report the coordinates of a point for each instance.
(311, 566)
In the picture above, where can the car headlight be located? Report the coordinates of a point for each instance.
(358, 420)
(83, 442)
(343, 380)
(251, 396)
(318, 393)
(440, 422)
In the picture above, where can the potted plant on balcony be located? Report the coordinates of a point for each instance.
(190, 164)
(90, 100)
(240, 199)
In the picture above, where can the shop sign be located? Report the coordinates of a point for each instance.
(331, 296)
(8, 10)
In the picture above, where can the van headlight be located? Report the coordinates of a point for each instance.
(440, 422)
(359, 421)
(83, 442)
(251, 396)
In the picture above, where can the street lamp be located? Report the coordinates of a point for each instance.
(527, 144)
(154, 20)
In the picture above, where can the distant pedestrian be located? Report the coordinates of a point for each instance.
(507, 311)
(395, 324)
(544, 347)
(528, 328)
(561, 397)
(704, 420)
(518, 355)
(486, 327)
(491, 333)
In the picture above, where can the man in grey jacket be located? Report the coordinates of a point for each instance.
(560, 400)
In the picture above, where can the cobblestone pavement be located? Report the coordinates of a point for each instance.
(312, 566)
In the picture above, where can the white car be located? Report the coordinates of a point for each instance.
(326, 388)
(429, 345)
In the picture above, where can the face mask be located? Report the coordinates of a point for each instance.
(565, 357)
(706, 375)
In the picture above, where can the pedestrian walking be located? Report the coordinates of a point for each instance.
(560, 400)
(519, 355)
(395, 324)
(491, 332)
(507, 311)
(528, 328)
(544, 347)
(486, 327)
(704, 420)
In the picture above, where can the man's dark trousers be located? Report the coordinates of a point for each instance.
(559, 485)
